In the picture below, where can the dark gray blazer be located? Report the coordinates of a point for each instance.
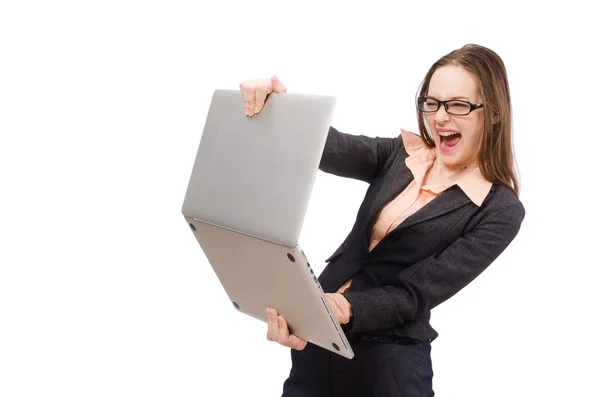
(424, 261)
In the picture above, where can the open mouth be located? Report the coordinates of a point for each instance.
(449, 140)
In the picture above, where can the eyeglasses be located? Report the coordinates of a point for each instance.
(456, 107)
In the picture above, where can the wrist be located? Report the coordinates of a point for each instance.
(348, 325)
(347, 308)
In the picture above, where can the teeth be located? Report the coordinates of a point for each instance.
(447, 133)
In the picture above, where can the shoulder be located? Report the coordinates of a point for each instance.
(502, 195)
(501, 201)
(408, 144)
(412, 143)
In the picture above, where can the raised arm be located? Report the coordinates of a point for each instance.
(356, 156)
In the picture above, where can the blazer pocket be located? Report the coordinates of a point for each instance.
(336, 254)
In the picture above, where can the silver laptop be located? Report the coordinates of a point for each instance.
(246, 201)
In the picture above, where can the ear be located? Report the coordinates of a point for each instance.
(495, 118)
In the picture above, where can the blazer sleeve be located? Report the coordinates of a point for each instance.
(429, 282)
(356, 156)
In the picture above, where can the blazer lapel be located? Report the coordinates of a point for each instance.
(394, 184)
(453, 198)
(396, 181)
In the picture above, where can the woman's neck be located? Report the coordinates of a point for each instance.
(441, 172)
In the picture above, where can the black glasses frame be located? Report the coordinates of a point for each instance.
(472, 106)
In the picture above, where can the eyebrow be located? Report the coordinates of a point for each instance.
(464, 98)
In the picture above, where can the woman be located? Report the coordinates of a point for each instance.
(439, 209)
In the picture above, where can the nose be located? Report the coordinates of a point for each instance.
(441, 116)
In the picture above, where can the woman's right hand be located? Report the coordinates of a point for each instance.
(255, 93)
(279, 332)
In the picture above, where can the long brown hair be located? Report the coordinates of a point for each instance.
(496, 156)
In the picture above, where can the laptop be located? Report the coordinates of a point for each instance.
(246, 201)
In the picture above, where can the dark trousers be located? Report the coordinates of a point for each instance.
(377, 369)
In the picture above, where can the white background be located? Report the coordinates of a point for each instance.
(103, 288)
